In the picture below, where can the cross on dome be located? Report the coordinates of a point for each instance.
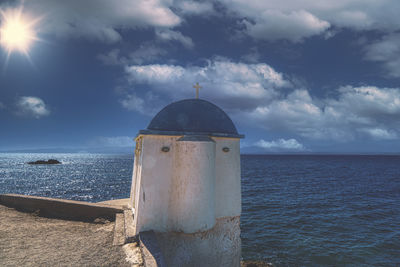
(197, 86)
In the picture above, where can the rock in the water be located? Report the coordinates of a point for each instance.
(50, 161)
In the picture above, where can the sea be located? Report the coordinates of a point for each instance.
(297, 210)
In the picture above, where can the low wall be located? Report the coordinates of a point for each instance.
(60, 208)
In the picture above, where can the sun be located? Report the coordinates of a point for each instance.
(17, 32)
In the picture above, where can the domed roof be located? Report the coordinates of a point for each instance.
(192, 116)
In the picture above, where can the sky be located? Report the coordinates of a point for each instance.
(295, 76)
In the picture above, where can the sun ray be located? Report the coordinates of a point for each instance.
(17, 31)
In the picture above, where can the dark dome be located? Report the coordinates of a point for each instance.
(192, 116)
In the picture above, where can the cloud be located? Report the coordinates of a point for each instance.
(112, 58)
(294, 26)
(270, 20)
(195, 8)
(133, 102)
(253, 56)
(281, 144)
(295, 20)
(2, 106)
(355, 19)
(259, 96)
(231, 84)
(32, 107)
(101, 19)
(154, 73)
(146, 53)
(368, 102)
(387, 52)
(357, 112)
(381, 134)
(169, 35)
(297, 112)
(115, 141)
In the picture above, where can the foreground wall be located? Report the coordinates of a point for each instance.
(60, 208)
(219, 246)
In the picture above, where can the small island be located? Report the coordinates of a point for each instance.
(50, 161)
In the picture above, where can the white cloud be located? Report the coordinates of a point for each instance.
(133, 102)
(353, 19)
(144, 54)
(2, 106)
(154, 73)
(368, 101)
(295, 20)
(253, 56)
(386, 51)
(217, 71)
(294, 26)
(115, 141)
(232, 84)
(356, 112)
(196, 8)
(259, 96)
(32, 106)
(381, 134)
(112, 58)
(297, 112)
(281, 144)
(148, 104)
(169, 35)
(271, 20)
(101, 19)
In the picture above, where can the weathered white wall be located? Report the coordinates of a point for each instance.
(217, 247)
(137, 165)
(187, 188)
(192, 195)
(228, 201)
(153, 182)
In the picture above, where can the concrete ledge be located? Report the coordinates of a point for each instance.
(118, 203)
(60, 208)
(119, 230)
(130, 231)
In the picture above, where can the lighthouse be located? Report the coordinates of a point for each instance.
(186, 184)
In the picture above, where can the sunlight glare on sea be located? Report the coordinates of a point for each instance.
(299, 210)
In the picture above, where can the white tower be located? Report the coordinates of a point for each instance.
(186, 184)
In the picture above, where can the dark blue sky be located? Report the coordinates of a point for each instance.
(294, 76)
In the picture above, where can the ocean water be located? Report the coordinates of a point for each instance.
(297, 210)
(321, 210)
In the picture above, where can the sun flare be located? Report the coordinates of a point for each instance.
(17, 32)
